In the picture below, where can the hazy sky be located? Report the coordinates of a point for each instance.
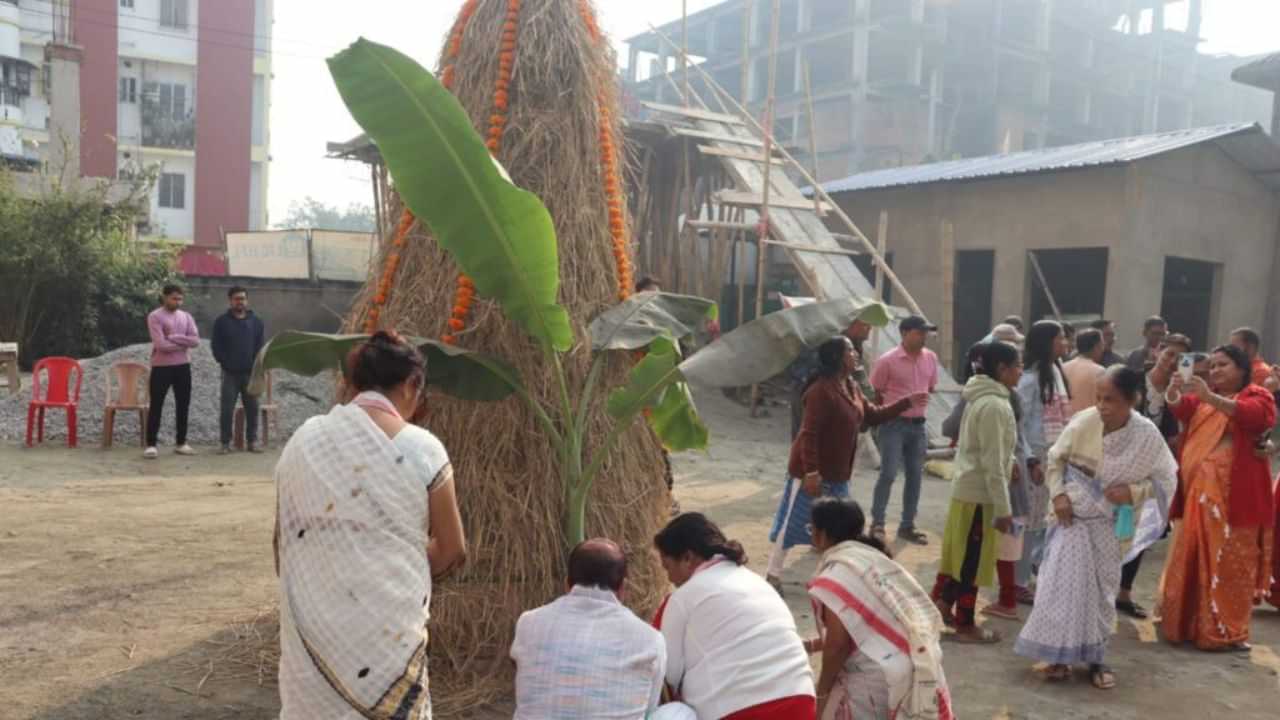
(306, 111)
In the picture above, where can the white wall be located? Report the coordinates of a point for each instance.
(35, 109)
(172, 224)
(257, 195)
(263, 19)
(37, 21)
(259, 131)
(141, 34)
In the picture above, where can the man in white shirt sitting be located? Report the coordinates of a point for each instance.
(585, 655)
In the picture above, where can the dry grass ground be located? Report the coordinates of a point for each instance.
(133, 590)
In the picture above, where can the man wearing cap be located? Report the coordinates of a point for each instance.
(909, 369)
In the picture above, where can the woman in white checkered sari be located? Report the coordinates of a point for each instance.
(366, 514)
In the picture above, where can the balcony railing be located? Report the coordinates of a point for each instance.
(161, 129)
(11, 95)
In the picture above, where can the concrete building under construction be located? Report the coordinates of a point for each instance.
(899, 82)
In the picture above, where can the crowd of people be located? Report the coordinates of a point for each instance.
(1055, 497)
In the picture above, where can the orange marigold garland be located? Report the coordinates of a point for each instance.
(389, 271)
(609, 169)
(613, 192)
(466, 288)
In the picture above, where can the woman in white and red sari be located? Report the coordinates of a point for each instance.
(733, 652)
(879, 631)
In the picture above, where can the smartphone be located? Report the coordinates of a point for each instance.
(1186, 366)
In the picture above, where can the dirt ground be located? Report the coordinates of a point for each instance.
(131, 589)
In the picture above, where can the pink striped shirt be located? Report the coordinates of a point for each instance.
(173, 334)
(898, 375)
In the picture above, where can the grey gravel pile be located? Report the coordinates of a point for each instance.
(298, 398)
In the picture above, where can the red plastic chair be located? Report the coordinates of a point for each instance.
(57, 393)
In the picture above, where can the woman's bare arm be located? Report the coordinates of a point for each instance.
(446, 541)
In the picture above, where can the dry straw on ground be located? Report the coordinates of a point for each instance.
(511, 494)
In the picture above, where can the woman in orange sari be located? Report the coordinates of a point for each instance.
(1220, 564)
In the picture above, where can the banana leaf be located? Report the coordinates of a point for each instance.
(454, 371)
(501, 236)
(644, 317)
(765, 346)
(656, 384)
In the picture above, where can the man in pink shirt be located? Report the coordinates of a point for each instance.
(909, 369)
(173, 334)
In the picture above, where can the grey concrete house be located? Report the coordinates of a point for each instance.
(1185, 224)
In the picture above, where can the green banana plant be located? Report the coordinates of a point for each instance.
(503, 238)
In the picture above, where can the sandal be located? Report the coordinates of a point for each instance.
(1102, 677)
(1058, 673)
(912, 535)
(948, 616)
(775, 583)
(1132, 609)
(877, 532)
(983, 636)
(1000, 611)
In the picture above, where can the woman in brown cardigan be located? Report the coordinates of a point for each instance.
(835, 412)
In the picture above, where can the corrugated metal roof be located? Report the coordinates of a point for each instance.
(1247, 144)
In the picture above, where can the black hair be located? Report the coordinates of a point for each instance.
(383, 362)
(1039, 357)
(1129, 382)
(1015, 321)
(995, 354)
(593, 564)
(972, 362)
(1241, 360)
(842, 520)
(1249, 335)
(1100, 324)
(1069, 330)
(1154, 321)
(236, 290)
(1088, 340)
(648, 282)
(694, 533)
(170, 289)
(830, 359)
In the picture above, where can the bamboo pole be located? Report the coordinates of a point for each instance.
(1035, 265)
(762, 234)
(882, 241)
(746, 52)
(813, 133)
(684, 51)
(804, 174)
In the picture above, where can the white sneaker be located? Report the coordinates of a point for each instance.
(185, 450)
(151, 453)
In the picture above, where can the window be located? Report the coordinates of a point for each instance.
(169, 99)
(129, 90)
(173, 14)
(173, 191)
(126, 4)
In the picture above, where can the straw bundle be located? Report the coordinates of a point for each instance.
(511, 494)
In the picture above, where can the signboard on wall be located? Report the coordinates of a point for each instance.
(280, 254)
(339, 255)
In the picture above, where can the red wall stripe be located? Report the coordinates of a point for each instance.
(224, 109)
(97, 34)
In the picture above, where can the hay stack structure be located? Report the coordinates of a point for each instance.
(559, 137)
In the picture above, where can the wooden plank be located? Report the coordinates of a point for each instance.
(694, 113)
(733, 154)
(823, 250)
(719, 225)
(750, 199)
(718, 137)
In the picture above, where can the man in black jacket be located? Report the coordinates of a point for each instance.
(237, 338)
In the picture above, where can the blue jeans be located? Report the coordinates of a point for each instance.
(902, 443)
(236, 386)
